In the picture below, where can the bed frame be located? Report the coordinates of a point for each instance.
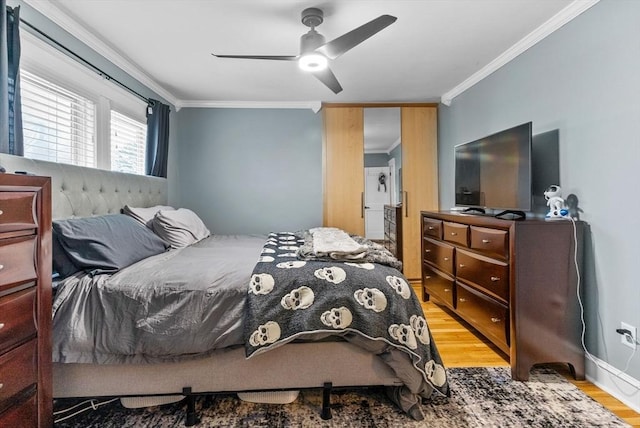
(81, 192)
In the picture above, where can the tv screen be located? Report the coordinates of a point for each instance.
(495, 171)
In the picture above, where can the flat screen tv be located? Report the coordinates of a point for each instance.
(494, 172)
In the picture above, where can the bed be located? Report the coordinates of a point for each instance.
(240, 355)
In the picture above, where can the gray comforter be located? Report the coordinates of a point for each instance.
(185, 302)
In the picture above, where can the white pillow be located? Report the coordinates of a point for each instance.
(145, 215)
(179, 227)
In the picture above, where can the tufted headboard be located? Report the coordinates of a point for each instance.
(82, 192)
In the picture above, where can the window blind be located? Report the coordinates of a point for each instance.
(59, 125)
(128, 142)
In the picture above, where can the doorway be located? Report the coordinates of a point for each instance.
(377, 194)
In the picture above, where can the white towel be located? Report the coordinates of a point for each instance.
(336, 243)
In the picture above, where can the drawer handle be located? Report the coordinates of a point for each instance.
(446, 259)
(486, 241)
(427, 251)
(1, 325)
(430, 228)
(446, 290)
(461, 265)
(495, 320)
(427, 277)
(495, 278)
(462, 299)
(454, 233)
(1, 385)
(1, 267)
(1, 212)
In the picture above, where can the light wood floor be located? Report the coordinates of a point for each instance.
(459, 346)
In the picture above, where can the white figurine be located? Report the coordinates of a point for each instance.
(555, 202)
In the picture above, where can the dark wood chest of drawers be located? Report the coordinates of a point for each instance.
(25, 301)
(514, 281)
(393, 230)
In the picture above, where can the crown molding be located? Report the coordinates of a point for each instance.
(313, 105)
(558, 20)
(64, 21)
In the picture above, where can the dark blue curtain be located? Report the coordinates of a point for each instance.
(157, 138)
(10, 112)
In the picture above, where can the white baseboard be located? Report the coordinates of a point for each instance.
(611, 380)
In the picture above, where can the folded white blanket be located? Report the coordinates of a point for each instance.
(336, 244)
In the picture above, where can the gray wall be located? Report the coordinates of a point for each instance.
(251, 171)
(583, 81)
(372, 160)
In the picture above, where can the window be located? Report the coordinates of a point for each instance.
(128, 142)
(58, 125)
(72, 115)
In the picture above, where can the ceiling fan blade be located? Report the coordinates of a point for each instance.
(270, 57)
(327, 77)
(342, 44)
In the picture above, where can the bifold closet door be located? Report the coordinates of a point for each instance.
(343, 147)
(419, 181)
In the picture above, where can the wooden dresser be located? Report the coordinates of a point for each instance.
(393, 230)
(513, 281)
(25, 301)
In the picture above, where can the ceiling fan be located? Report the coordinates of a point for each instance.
(315, 53)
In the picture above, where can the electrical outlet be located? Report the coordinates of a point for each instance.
(626, 340)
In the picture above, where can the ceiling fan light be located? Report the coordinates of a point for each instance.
(312, 62)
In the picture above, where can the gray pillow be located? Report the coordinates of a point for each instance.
(179, 227)
(144, 215)
(106, 243)
(62, 264)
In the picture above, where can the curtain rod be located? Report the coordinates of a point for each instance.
(87, 63)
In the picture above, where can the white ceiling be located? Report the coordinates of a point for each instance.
(435, 50)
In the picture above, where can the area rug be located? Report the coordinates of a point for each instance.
(481, 397)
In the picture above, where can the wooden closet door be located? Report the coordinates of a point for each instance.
(419, 181)
(344, 168)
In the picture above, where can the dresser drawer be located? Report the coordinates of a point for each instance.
(488, 316)
(455, 232)
(485, 273)
(432, 227)
(439, 254)
(17, 211)
(17, 263)
(24, 414)
(493, 242)
(18, 370)
(390, 213)
(439, 285)
(16, 318)
(393, 248)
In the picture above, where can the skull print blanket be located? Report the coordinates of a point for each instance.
(371, 305)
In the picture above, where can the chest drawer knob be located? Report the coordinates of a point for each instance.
(1, 325)
(430, 228)
(1, 267)
(454, 233)
(1, 385)
(495, 320)
(427, 251)
(495, 278)
(462, 299)
(446, 290)
(486, 241)
(1, 212)
(461, 265)
(446, 259)
(427, 277)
